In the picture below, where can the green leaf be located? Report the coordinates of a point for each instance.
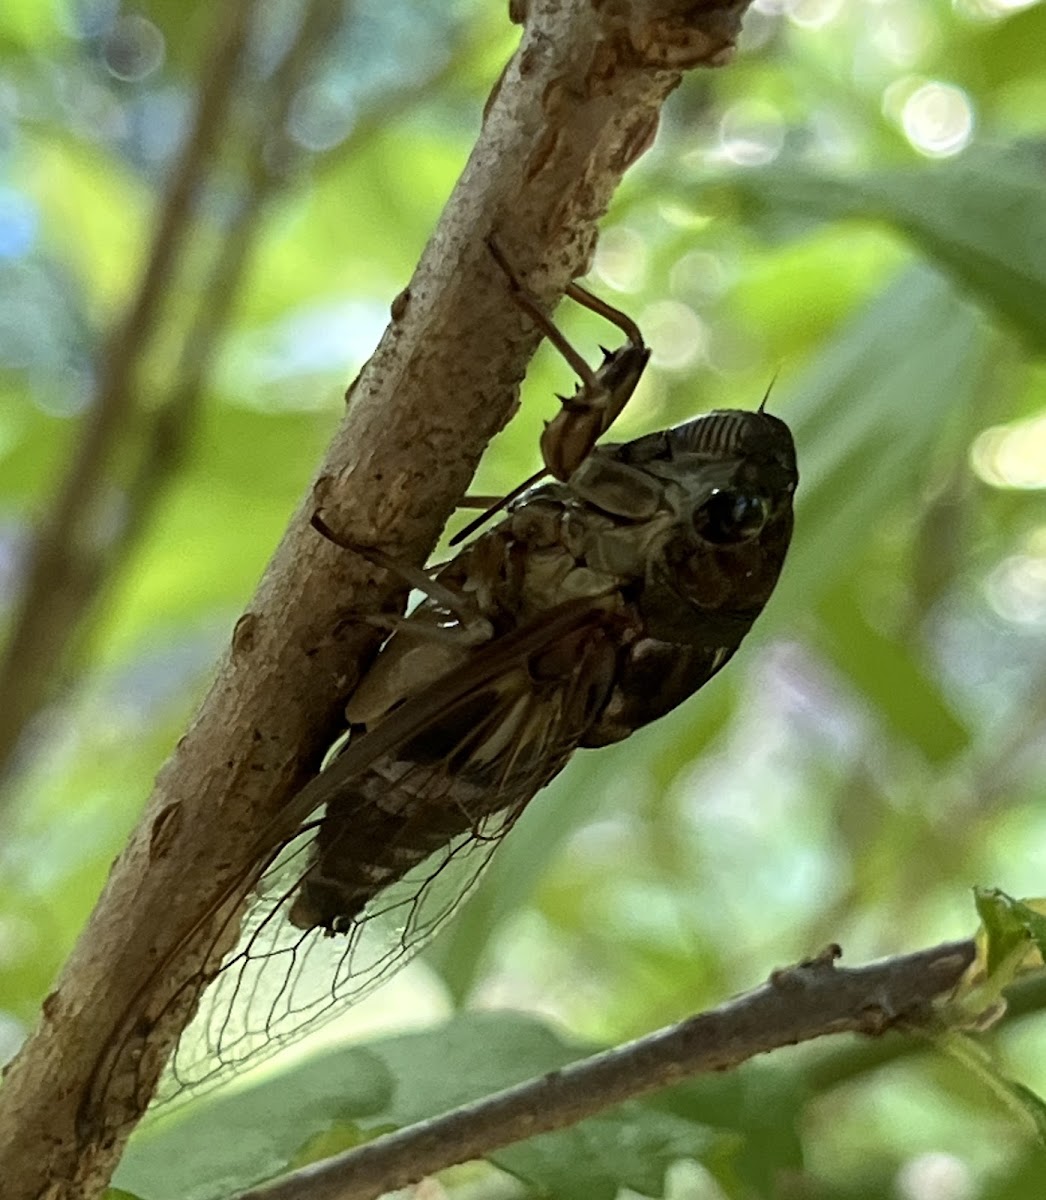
(1022, 1103)
(632, 1146)
(27, 26)
(1005, 927)
(980, 217)
(479, 1054)
(866, 419)
(227, 1142)
(508, 884)
(336, 1139)
(94, 211)
(1033, 1105)
(761, 1105)
(1020, 1179)
(1034, 922)
(886, 671)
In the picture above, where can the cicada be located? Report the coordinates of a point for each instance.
(600, 599)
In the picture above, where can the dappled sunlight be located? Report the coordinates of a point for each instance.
(751, 134)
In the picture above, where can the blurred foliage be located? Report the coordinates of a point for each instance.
(857, 203)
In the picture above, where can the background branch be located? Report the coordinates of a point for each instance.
(798, 1004)
(51, 634)
(68, 561)
(1024, 998)
(270, 160)
(577, 104)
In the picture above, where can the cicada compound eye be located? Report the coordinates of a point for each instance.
(729, 516)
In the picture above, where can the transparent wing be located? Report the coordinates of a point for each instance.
(281, 981)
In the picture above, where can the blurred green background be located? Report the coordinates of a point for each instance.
(858, 204)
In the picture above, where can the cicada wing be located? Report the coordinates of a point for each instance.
(282, 981)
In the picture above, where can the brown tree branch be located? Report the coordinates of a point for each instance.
(798, 1004)
(578, 102)
(66, 563)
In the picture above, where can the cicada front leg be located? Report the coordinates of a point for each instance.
(597, 401)
(569, 438)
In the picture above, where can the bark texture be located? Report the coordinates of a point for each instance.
(577, 104)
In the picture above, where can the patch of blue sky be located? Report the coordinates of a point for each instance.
(19, 223)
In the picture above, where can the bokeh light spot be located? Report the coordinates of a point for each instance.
(621, 259)
(751, 134)
(700, 274)
(134, 49)
(677, 335)
(1016, 589)
(935, 1176)
(1013, 455)
(903, 35)
(990, 10)
(937, 119)
(322, 116)
(814, 14)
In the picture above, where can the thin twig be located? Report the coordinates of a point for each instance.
(798, 1004)
(1025, 998)
(65, 569)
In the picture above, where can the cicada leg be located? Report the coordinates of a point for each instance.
(414, 577)
(569, 438)
(491, 506)
(471, 501)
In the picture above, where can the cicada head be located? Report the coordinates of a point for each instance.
(728, 479)
(739, 472)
